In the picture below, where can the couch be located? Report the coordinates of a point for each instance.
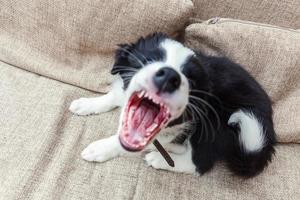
(52, 52)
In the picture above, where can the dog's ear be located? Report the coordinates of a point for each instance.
(122, 57)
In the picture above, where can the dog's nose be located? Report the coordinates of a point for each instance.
(166, 79)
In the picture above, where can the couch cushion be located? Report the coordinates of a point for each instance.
(285, 13)
(41, 141)
(73, 40)
(271, 54)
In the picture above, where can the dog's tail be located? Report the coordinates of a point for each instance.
(254, 144)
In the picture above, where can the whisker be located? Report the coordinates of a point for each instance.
(127, 78)
(203, 129)
(212, 109)
(142, 56)
(192, 114)
(128, 69)
(184, 116)
(138, 60)
(203, 122)
(125, 67)
(207, 93)
(128, 74)
(213, 131)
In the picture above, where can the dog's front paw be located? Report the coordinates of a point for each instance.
(156, 160)
(82, 106)
(98, 151)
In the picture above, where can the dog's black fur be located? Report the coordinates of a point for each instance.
(235, 89)
(229, 88)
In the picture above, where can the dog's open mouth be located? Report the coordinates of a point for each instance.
(144, 116)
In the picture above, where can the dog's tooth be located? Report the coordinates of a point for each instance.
(141, 94)
(148, 134)
(151, 128)
(143, 143)
(126, 133)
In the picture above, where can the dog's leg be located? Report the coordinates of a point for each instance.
(183, 162)
(103, 150)
(87, 106)
(108, 148)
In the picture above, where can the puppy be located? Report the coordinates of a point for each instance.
(201, 108)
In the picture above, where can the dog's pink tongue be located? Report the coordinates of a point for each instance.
(143, 117)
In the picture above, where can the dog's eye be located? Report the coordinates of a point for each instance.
(191, 83)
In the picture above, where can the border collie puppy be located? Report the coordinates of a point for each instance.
(201, 108)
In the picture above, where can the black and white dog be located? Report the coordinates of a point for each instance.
(201, 108)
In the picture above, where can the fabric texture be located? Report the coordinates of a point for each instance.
(284, 13)
(41, 141)
(271, 54)
(73, 40)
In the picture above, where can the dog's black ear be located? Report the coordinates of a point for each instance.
(135, 55)
(122, 57)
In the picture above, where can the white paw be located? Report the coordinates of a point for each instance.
(99, 151)
(156, 160)
(82, 106)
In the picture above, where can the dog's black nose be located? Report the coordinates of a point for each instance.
(166, 80)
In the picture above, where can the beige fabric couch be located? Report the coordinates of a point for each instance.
(52, 52)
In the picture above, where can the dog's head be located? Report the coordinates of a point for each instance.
(158, 74)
